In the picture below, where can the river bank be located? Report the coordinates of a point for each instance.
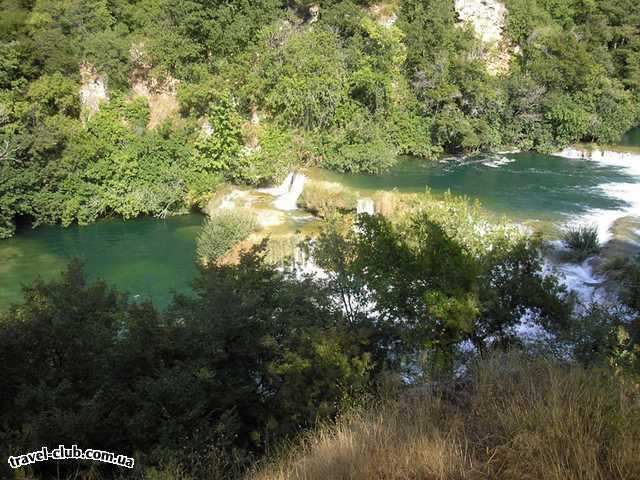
(150, 257)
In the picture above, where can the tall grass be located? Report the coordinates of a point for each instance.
(583, 240)
(517, 419)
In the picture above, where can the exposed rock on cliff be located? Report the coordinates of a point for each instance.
(161, 96)
(313, 14)
(93, 90)
(488, 17)
(159, 92)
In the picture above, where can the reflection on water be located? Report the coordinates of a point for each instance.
(145, 257)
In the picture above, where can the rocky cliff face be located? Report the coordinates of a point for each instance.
(159, 92)
(93, 90)
(488, 18)
(161, 95)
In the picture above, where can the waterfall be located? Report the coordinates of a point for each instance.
(288, 192)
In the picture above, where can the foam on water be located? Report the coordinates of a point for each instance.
(498, 162)
(288, 192)
(581, 279)
(628, 193)
(630, 161)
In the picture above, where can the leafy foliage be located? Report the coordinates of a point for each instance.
(334, 89)
(246, 361)
(439, 290)
(222, 231)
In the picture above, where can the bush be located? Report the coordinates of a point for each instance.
(322, 198)
(583, 240)
(222, 231)
(362, 146)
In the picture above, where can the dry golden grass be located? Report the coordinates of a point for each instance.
(517, 419)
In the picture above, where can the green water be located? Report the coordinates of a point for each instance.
(631, 138)
(145, 257)
(148, 258)
(522, 186)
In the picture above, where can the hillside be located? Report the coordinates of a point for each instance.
(144, 108)
(517, 418)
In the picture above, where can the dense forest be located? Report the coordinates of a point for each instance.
(128, 108)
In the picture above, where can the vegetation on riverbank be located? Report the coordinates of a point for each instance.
(582, 241)
(223, 231)
(179, 96)
(255, 356)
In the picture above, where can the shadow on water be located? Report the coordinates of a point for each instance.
(145, 257)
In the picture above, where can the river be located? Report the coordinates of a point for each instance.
(149, 257)
(146, 257)
(522, 186)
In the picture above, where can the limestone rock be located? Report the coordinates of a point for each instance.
(93, 90)
(488, 19)
(161, 93)
(486, 16)
(313, 13)
(162, 98)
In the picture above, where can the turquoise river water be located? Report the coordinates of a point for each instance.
(149, 258)
(146, 257)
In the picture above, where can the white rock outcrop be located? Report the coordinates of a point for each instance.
(93, 90)
(488, 19)
(486, 16)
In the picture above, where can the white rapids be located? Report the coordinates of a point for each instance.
(627, 192)
(287, 193)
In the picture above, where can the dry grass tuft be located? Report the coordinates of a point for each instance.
(517, 419)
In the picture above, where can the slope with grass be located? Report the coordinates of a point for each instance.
(510, 418)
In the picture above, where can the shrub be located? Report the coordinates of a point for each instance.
(322, 198)
(222, 231)
(267, 163)
(583, 240)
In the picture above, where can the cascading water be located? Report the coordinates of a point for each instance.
(288, 192)
(627, 192)
(366, 205)
(581, 278)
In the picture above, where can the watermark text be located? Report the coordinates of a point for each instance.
(74, 453)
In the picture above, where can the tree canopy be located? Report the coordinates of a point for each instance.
(338, 88)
